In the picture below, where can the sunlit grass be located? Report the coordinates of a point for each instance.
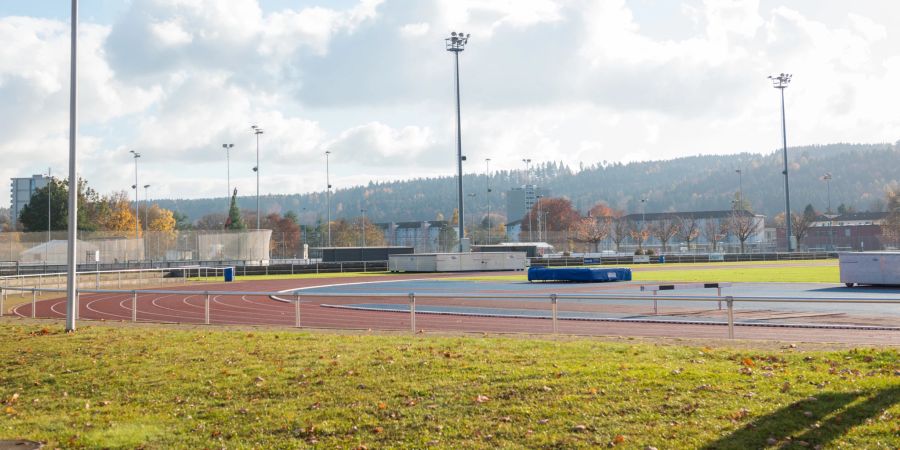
(164, 388)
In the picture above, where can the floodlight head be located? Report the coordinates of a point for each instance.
(133, 186)
(146, 186)
(136, 154)
(255, 169)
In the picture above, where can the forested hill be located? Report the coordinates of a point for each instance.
(860, 175)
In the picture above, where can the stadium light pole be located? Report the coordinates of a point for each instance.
(228, 148)
(527, 162)
(328, 195)
(827, 179)
(487, 174)
(147, 207)
(457, 43)
(137, 205)
(740, 187)
(781, 82)
(257, 131)
(71, 250)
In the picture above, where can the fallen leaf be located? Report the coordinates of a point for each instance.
(619, 439)
(748, 362)
(481, 399)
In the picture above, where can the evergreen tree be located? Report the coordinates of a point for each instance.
(234, 221)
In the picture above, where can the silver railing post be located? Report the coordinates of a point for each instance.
(730, 301)
(719, 294)
(33, 304)
(655, 308)
(297, 310)
(206, 309)
(119, 280)
(554, 312)
(412, 312)
(134, 306)
(2, 299)
(77, 305)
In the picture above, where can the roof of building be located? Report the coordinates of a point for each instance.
(686, 214)
(861, 216)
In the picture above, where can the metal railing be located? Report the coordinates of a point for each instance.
(292, 300)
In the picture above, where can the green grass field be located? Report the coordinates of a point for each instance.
(152, 387)
(781, 272)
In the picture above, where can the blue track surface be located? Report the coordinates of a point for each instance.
(769, 290)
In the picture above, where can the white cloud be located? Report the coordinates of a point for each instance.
(571, 80)
(414, 30)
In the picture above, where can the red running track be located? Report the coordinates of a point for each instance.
(262, 310)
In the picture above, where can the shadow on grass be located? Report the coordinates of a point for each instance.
(828, 420)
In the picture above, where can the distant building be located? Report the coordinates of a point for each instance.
(21, 190)
(424, 236)
(520, 200)
(852, 231)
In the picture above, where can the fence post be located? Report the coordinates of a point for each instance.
(553, 313)
(134, 306)
(655, 309)
(33, 304)
(77, 305)
(297, 310)
(730, 301)
(119, 280)
(2, 299)
(412, 312)
(206, 309)
(719, 294)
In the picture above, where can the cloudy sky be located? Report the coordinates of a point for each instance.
(369, 80)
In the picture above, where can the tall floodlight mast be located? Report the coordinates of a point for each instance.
(457, 43)
(781, 83)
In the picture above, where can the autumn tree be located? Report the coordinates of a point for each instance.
(743, 225)
(489, 229)
(214, 221)
(689, 229)
(593, 230)
(665, 229)
(619, 231)
(716, 230)
(801, 223)
(115, 214)
(638, 232)
(558, 215)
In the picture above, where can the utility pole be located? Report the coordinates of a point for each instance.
(257, 131)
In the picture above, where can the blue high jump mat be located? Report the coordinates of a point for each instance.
(579, 274)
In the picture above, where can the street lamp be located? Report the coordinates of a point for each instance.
(781, 82)
(137, 207)
(827, 178)
(457, 43)
(328, 195)
(257, 131)
(487, 175)
(49, 211)
(527, 162)
(540, 206)
(471, 195)
(643, 211)
(228, 147)
(147, 207)
(740, 187)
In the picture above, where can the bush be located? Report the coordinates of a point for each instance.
(649, 252)
(638, 252)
